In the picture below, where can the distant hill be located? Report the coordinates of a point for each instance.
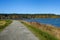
(18, 16)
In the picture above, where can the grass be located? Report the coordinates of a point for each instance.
(4, 23)
(39, 33)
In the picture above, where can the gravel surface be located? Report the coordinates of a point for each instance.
(17, 31)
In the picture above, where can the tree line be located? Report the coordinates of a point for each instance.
(20, 16)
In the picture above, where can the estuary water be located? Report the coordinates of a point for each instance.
(50, 21)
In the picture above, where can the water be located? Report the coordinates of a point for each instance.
(50, 21)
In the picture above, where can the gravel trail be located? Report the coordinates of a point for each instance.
(17, 31)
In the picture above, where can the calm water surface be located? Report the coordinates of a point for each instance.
(51, 21)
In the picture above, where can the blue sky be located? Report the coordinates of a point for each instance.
(30, 6)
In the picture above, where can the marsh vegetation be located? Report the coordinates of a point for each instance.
(41, 33)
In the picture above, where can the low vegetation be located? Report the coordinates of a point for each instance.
(42, 35)
(47, 28)
(4, 23)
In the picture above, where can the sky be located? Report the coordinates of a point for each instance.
(30, 6)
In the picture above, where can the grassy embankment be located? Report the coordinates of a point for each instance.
(42, 35)
(4, 23)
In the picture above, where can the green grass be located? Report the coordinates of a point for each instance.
(6, 24)
(39, 33)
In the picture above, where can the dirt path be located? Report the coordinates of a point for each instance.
(16, 31)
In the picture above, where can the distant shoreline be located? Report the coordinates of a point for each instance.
(27, 16)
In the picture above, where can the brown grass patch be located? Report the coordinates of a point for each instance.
(47, 28)
(2, 23)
